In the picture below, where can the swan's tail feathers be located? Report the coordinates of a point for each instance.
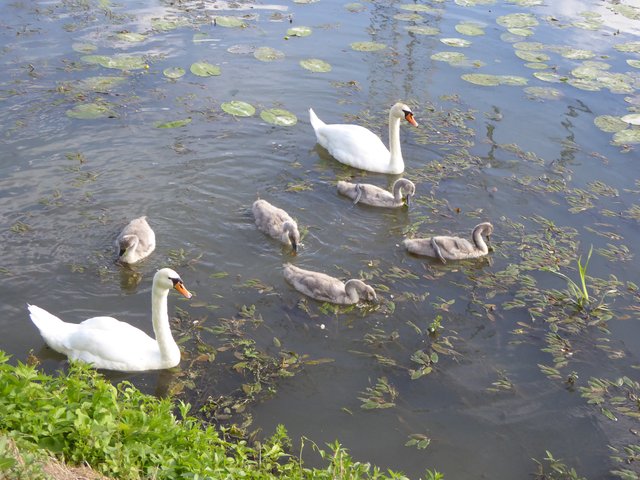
(45, 321)
(315, 121)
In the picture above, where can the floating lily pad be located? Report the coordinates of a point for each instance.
(368, 46)
(268, 54)
(84, 47)
(532, 56)
(408, 17)
(200, 37)
(577, 54)
(545, 93)
(423, 30)
(517, 20)
(99, 84)
(229, 21)
(529, 46)
(121, 62)
(527, 3)
(634, 63)
(174, 124)
(278, 116)
(173, 72)
(587, 84)
(632, 118)
(131, 37)
(521, 31)
(623, 137)
(610, 123)
(482, 79)
(167, 24)
(456, 42)
(415, 7)
(449, 57)
(355, 7)
(241, 49)
(315, 65)
(204, 69)
(473, 3)
(514, 80)
(630, 47)
(536, 65)
(470, 29)
(238, 108)
(549, 77)
(89, 111)
(299, 32)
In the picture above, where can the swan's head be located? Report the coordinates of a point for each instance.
(484, 228)
(126, 245)
(166, 279)
(290, 234)
(365, 292)
(407, 188)
(401, 110)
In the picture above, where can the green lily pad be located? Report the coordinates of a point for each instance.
(514, 80)
(634, 63)
(174, 124)
(278, 116)
(408, 17)
(355, 7)
(121, 62)
(629, 47)
(268, 54)
(529, 46)
(455, 42)
(200, 37)
(517, 20)
(89, 111)
(482, 79)
(83, 47)
(587, 84)
(521, 31)
(99, 84)
(238, 108)
(204, 69)
(610, 123)
(577, 54)
(624, 137)
(131, 37)
(422, 30)
(549, 77)
(368, 46)
(545, 93)
(167, 24)
(173, 72)
(414, 7)
(229, 21)
(632, 118)
(536, 65)
(315, 65)
(449, 57)
(532, 56)
(241, 49)
(470, 29)
(299, 32)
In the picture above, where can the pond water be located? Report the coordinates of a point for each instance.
(521, 107)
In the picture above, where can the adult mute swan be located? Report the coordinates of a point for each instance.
(276, 223)
(136, 241)
(111, 344)
(369, 194)
(361, 148)
(452, 248)
(328, 289)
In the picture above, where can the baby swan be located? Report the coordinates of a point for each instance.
(452, 248)
(136, 241)
(328, 289)
(369, 194)
(276, 223)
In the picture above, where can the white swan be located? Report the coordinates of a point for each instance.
(111, 344)
(369, 194)
(452, 248)
(328, 289)
(276, 223)
(136, 241)
(361, 148)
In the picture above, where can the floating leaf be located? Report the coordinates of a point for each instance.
(630, 47)
(546, 93)
(315, 65)
(268, 54)
(521, 31)
(278, 116)
(471, 29)
(513, 80)
(299, 32)
(174, 124)
(455, 42)
(623, 137)
(204, 69)
(536, 65)
(238, 108)
(131, 37)
(166, 24)
(88, 111)
(408, 17)
(634, 63)
(368, 46)
(532, 56)
(590, 85)
(416, 7)
(576, 53)
(84, 47)
(632, 118)
(229, 21)
(122, 62)
(528, 46)
(422, 30)
(355, 7)
(99, 84)
(549, 77)
(241, 49)
(450, 57)
(517, 20)
(173, 72)
(482, 79)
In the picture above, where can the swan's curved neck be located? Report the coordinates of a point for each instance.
(352, 289)
(160, 317)
(478, 240)
(394, 143)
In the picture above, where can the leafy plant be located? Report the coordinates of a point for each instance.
(558, 470)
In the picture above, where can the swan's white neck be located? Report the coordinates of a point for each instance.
(396, 163)
(169, 350)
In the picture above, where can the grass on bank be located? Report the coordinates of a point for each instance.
(122, 433)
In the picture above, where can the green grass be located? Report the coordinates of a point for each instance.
(122, 433)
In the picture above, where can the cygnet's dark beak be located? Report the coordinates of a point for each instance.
(408, 200)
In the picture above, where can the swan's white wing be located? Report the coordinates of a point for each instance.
(354, 145)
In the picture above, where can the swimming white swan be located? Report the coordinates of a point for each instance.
(328, 289)
(369, 194)
(361, 148)
(136, 241)
(111, 344)
(276, 223)
(452, 248)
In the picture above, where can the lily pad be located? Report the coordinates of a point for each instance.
(630, 135)
(167, 24)
(99, 84)
(173, 72)
(174, 123)
(536, 65)
(544, 93)
(449, 57)
(634, 63)
(521, 31)
(355, 7)
(90, 111)
(299, 32)
(470, 29)
(549, 77)
(532, 56)
(456, 42)
(415, 7)
(629, 47)
(268, 54)
(473, 3)
(408, 17)
(238, 108)
(204, 69)
(423, 30)
(315, 65)
(121, 62)
(577, 53)
(229, 21)
(587, 84)
(241, 49)
(529, 46)
(482, 79)
(278, 116)
(517, 20)
(368, 46)
(514, 80)
(83, 47)
(610, 123)
(632, 118)
(131, 37)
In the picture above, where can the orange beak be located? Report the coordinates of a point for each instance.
(409, 118)
(180, 288)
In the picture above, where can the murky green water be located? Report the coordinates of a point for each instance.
(534, 152)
